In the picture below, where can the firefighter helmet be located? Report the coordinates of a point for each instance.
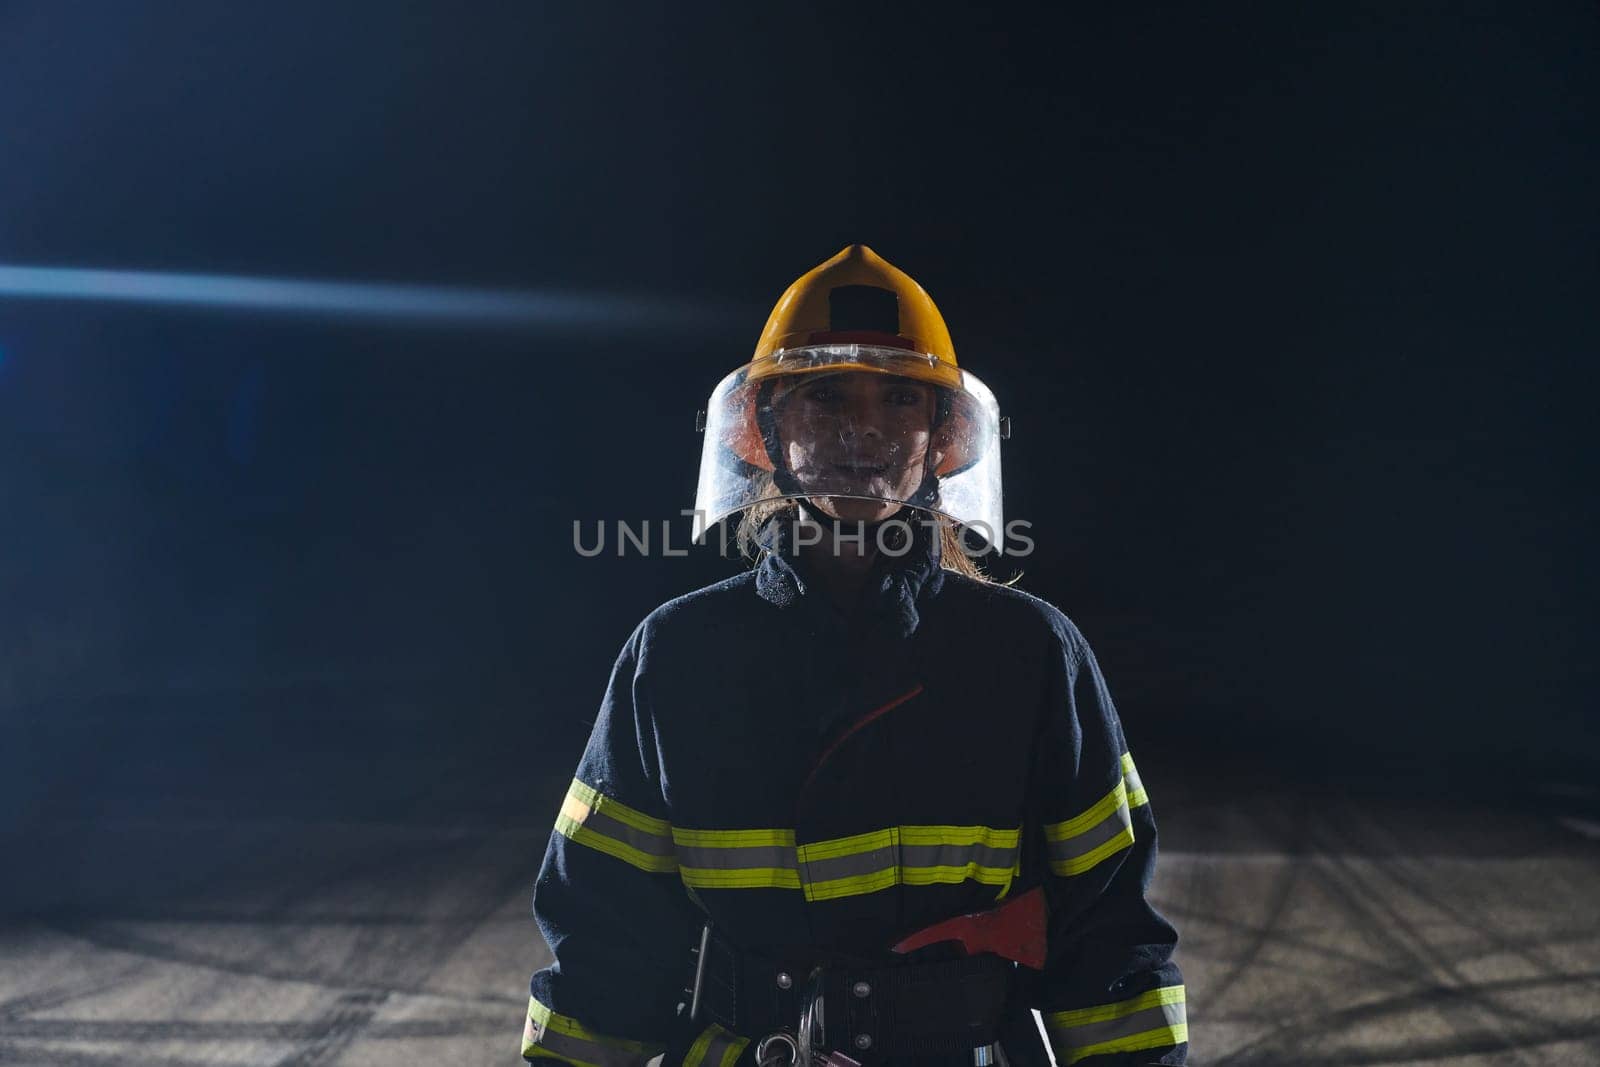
(853, 392)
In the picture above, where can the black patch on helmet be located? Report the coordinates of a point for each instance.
(863, 307)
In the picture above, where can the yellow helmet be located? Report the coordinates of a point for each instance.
(858, 297)
(854, 312)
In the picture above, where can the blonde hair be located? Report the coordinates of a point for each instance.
(952, 552)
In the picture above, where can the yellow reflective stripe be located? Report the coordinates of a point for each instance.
(572, 831)
(1130, 778)
(619, 811)
(857, 845)
(549, 1035)
(1079, 864)
(715, 1047)
(960, 835)
(764, 876)
(853, 886)
(951, 875)
(745, 878)
(1078, 824)
(1077, 844)
(697, 1051)
(839, 847)
(732, 838)
(893, 876)
(1161, 1037)
(823, 869)
(610, 826)
(1100, 1013)
(735, 1049)
(1150, 1020)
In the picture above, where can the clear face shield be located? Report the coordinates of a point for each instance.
(859, 430)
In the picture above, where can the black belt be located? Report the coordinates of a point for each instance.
(872, 1011)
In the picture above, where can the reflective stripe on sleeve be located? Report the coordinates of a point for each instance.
(715, 1047)
(1130, 777)
(550, 1036)
(1079, 843)
(610, 826)
(1151, 1020)
(847, 866)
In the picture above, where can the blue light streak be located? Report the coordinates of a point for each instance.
(434, 303)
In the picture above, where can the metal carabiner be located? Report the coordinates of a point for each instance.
(778, 1049)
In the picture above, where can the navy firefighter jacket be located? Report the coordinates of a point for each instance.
(834, 782)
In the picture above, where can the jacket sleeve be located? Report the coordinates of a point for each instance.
(1109, 994)
(610, 905)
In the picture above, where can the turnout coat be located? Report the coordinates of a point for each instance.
(808, 778)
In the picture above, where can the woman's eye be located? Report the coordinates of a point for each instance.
(905, 397)
(822, 394)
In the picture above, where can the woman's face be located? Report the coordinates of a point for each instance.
(856, 432)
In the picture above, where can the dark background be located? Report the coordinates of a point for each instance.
(1293, 311)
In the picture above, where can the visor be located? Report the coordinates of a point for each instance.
(855, 421)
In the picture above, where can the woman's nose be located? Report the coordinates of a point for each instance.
(860, 420)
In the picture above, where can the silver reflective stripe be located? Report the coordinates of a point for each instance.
(846, 866)
(548, 1034)
(722, 1046)
(607, 825)
(715, 1047)
(1162, 1015)
(1130, 777)
(956, 856)
(652, 844)
(1118, 822)
(870, 862)
(581, 1051)
(1153, 1019)
(740, 858)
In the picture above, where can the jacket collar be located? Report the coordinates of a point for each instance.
(894, 586)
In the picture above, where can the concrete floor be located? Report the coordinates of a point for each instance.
(1318, 929)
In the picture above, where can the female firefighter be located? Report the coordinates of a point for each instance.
(795, 769)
